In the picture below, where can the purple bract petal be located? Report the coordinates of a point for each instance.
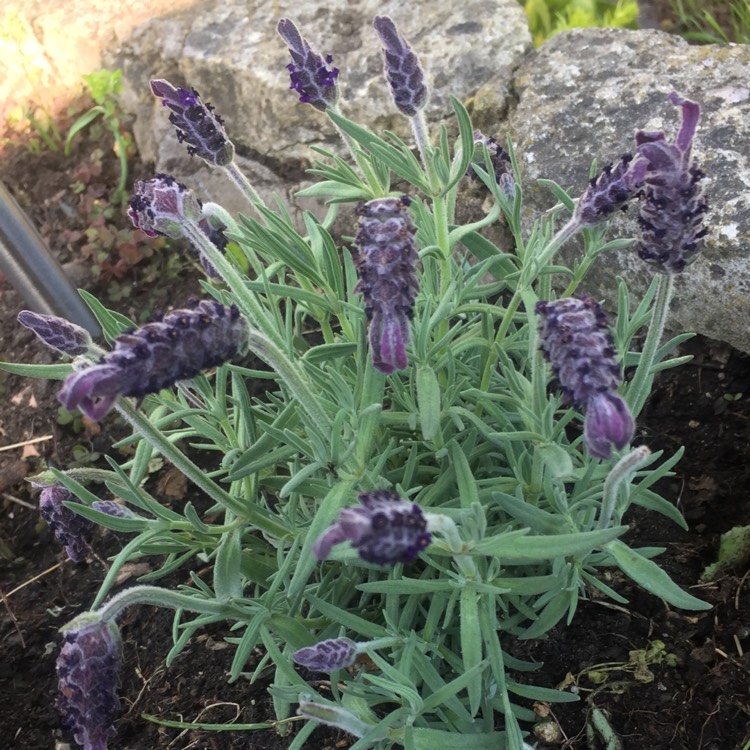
(608, 423)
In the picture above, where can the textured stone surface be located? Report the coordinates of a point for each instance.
(237, 61)
(585, 93)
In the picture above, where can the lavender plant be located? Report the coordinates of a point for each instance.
(410, 485)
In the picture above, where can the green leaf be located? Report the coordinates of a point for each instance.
(467, 486)
(430, 739)
(49, 372)
(112, 323)
(428, 400)
(556, 459)
(227, 581)
(466, 133)
(526, 548)
(652, 578)
(471, 644)
(336, 192)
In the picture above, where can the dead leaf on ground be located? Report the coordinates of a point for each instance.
(172, 484)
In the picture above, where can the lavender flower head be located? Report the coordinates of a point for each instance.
(402, 68)
(327, 656)
(386, 262)
(57, 333)
(610, 191)
(162, 205)
(309, 73)
(576, 340)
(195, 123)
(179, 346)
(88, 669)
(384, 529)
(672, 205)
(71, 530)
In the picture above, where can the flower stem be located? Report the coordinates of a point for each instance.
(622, 472)
(162, 597)
(640, 385)
(245, 186)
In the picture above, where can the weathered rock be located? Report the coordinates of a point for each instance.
(237, 61)
(584, 94)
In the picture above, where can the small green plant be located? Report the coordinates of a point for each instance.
(548, 17)
(105, 86)
(714, 22)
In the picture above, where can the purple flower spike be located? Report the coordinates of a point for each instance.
(386, 262)
(310, 75)
(162, 206)
(672, 203)
(177, 347)
(57, 333)
(88, 670)
(576, 340)
(384, 529)
(402, 68)
(195, 123)
(71, 530)
(327, 656)
(610, 191)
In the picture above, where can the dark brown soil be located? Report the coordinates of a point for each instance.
(698, 700)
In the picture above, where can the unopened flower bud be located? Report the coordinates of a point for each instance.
(177, 347)
(162, 205)
(386, 262)
(71, 530)
(384, 529)
(57, 333)
(402, 68)
(195, 123)
(88, 669)
(576, 340)
(310, 74)
(327, 656)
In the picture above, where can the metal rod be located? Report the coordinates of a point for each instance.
(34, 272)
